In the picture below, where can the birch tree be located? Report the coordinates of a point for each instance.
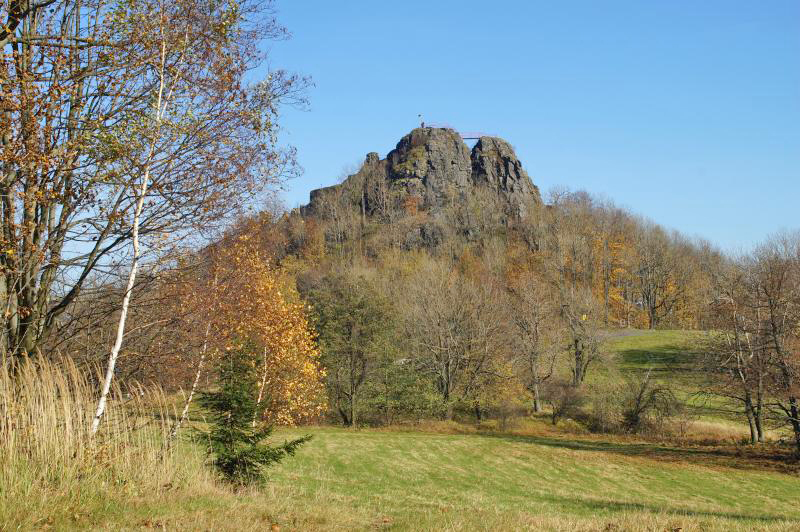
(239, 295)
(205, 142)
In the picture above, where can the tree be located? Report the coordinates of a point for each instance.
(537, 334)
(57, 85)
(237, 444)
(120, 115)
(776, 267)
(737, 359)
(661, 274)
(205, 140)
(757, 358)
(240, 295)
(353, 325)
(569, 268)
(457, 328)
(579, 312)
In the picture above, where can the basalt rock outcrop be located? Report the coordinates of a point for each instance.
(433, 174)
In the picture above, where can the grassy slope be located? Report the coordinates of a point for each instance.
(673, 358)
(416, 478)
(664, 351)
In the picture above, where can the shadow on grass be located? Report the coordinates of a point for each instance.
(671, 356)
(748, 459)
(595, 506)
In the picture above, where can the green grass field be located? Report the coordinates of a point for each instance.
(674, 358)
(467, 481)
(393, 480)
(665, 351)
(448, 476)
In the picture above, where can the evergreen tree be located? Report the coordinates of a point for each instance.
(236, 442)
(355, 326)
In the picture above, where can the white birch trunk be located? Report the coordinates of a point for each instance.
(123, 316)
(185, 412)
(263, 385)
(142, 192)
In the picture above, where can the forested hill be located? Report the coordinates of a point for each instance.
(433, 193)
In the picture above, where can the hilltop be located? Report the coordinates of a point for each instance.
(435, 178)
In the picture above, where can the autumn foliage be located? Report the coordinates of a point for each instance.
(243, 296)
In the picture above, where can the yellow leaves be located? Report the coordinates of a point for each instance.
(253, 300)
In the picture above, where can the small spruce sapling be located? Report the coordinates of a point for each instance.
(238, 446)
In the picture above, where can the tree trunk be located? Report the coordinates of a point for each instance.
(758, 410)
(794, 411)
(748, 410)
(261, 387)
(606, 280)
(344, 416)
(123, 316)
(759, 425)
(448, 411)
(185, 412)
(353, 410)
(577, 374)
(537, 401)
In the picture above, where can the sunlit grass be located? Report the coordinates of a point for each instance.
(661, 350)
(675, 359)
(412, 480)
(438, 476)
(54, 471)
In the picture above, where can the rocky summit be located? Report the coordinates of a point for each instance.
(430, 169)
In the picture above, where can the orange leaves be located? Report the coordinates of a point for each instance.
(247, 298)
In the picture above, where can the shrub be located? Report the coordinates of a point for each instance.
(396, 393)
(646, 404)
(236, 440)
(565, 400)
(605, 414)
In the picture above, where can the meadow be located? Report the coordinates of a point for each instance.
(456, 478)
(439, 476)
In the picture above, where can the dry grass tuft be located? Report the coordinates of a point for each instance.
(50, 460)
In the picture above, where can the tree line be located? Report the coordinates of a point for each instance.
(131, 141)
(497, 316)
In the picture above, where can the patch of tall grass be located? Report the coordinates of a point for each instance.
(52, 467)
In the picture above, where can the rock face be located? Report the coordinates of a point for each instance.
(494, 164)
(431, 161)
(432, 170)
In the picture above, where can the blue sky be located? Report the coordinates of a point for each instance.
(685, 112)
